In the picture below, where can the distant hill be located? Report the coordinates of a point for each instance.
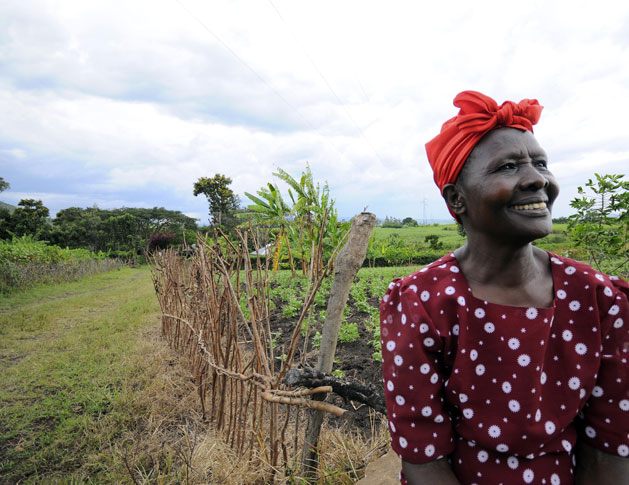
(4, 205)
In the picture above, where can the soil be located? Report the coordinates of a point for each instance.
(355, 359)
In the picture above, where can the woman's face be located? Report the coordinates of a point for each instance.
(507, 189)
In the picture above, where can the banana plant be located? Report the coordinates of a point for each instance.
(271, 210)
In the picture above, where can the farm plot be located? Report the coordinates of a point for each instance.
(244, 329)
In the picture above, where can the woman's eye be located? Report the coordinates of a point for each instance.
(541, 163)
(507, 166)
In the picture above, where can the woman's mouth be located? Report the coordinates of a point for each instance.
(528, 207)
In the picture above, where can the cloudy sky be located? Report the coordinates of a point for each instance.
(128, 103)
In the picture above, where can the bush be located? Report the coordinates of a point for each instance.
(25, 262)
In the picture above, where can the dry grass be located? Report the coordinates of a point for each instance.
(169, 442)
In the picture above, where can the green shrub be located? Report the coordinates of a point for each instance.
(25, 262)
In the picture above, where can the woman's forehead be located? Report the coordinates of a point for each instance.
(507, 141)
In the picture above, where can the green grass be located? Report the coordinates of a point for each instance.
(69, 355)
(449, 235)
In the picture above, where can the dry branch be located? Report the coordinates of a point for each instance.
(230, 350)
(321, 406)
(348, 390)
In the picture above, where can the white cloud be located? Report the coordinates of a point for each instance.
(130, 102)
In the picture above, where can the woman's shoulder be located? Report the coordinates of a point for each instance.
(578, 268)
(433, 272)
(424, 280)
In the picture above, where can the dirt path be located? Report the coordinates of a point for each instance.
(71, 357)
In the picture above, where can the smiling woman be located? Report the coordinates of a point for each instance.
(503, 362)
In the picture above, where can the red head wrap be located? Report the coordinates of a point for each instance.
(478, 115)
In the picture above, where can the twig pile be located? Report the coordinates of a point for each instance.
(231, 352)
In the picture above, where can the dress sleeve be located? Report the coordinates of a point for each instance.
(606, 414)
(420, 428)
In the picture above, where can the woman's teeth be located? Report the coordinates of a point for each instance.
(526, 207)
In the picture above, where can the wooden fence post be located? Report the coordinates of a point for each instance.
(348, 262)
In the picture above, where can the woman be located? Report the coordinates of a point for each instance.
(504, 363)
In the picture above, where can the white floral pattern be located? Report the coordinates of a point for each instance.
(510, 378)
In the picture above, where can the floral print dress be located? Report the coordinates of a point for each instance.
(503, 391)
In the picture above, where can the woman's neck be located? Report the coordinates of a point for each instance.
(518, 276)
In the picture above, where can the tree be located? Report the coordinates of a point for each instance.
(601, 224)
(410, 222)
(29, 217)
(271, 210)
(221, 198)
(6, 223)
(127, 229)
(4, 185)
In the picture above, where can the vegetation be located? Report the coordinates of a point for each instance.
(310, 221)
(601, 224)
(89, 391)
(25, 262)
(29, 217)
(123, 232)
(71, 356)
(221, 199)
(4, 185)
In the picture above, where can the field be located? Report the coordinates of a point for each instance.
(447, 233)
(91, 393)
(71, 356)
(451, 238)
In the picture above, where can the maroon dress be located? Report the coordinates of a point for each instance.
(503, 391)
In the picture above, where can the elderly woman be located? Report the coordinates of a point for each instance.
(504, 363)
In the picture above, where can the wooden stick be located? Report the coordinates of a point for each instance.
(301, 392)
(320, 406)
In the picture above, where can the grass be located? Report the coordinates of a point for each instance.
(89, 393)
(69, 354)
(449, 235)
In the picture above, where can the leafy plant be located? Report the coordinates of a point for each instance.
(601, 223)
(316, 340)
(348, 332)
(433, 242)
(310, 220)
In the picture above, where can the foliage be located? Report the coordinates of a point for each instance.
(29, 217)
(392, 222)
(409, 222)
(25, 262)
(4, 185)
(221, 198)
(396, 251)
(348, 332)
(433, 242)
(161, 241)
(310, 219)
(601, 223)
(127, 229)
(6, 226)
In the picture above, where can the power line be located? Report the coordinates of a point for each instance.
(244, 63)
(316, 68)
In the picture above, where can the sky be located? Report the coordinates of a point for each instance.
(127, 104)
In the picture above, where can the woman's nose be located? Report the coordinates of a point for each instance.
(532, 179)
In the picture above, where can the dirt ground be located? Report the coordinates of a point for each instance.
(355, 359)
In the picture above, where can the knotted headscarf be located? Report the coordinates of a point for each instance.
(478, 115)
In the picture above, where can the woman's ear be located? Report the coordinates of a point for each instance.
(454, 198)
